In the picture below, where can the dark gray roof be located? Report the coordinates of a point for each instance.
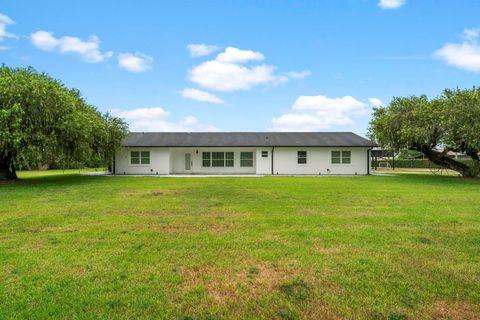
(246, 139)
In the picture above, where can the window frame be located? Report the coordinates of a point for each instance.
(349, 157)
(205, 159)
(341, 156)
(243, 159)
(264, 153)
(143, 157)
(227, 158)
(218, 159)
(302, 155)
(229, 162)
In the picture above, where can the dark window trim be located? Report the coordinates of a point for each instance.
(302, 155)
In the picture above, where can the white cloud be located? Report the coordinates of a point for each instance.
(156, 119)
(471, 35)
(220, 76)
(391, 4)
(314, 113)
(235, 55)
(201, 49)
(4, 22)
(228, 72)
(200, 95)
(299, 75)
(135, 62)
(88, 49)
(465, 55)
(375, 102)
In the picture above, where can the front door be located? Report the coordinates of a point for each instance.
(188, 161)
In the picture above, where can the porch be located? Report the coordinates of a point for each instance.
(208, 161)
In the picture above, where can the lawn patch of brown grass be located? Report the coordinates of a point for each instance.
(227, 285)
(443, 310)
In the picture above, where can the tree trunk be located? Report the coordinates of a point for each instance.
(440, 158)
(472, 153)
(7, 167)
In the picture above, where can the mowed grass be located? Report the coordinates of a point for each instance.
(370, 247)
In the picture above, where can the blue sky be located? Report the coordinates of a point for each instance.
(246, 65)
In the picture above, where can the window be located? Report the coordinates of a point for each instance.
(228, 159)
(246, 159)
(206, 159)
(346, 157)
(140, 157)
(341, 157)
(336, 157)
(135, 157)
(301, 157)
(217, 159)
(264, 154)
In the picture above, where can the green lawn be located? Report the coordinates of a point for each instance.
(372, 247)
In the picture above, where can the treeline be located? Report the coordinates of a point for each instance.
(43, 123)
(434, 127)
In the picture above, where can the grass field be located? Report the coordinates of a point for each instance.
(372, 247)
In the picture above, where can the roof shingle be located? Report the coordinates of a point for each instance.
(246, 139)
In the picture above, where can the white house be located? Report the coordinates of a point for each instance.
(263, 153)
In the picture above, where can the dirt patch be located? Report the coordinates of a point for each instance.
(443, 310)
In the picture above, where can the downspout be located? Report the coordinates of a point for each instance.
(113, 165)
(273, 148)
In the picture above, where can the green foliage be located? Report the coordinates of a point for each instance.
(450, 122)
(406, 123)
(44, 122)
(462, 118)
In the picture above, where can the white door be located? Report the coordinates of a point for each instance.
(188, 161)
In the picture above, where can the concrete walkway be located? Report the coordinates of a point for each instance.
(175, 175)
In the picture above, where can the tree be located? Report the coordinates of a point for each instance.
(434, 127)
(43, 120)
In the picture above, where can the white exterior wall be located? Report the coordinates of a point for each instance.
(172, 161)
(159, 162)
(177, 161)
(319, 160)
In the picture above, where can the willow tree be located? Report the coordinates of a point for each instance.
(41, 117)
(434, 127)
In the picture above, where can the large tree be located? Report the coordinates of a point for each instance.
(42, 118)
(434, 127)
